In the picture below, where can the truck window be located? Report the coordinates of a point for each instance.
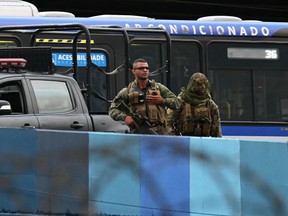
(52, 96)
(11, 92)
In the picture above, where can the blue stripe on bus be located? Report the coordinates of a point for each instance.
(254, 131)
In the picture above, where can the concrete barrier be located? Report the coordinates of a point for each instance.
(90, 173)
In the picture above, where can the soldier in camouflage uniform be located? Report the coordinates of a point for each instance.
(199, 115)
(145, 99)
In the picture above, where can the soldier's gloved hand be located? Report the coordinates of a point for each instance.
(155, 98)
(130, 122)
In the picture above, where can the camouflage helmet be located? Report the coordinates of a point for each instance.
(196, 80)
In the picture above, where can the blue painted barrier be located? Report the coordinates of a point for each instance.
(44, 171)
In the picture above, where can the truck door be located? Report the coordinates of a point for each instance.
(58, 106)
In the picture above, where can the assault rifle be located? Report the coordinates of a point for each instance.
(143, 123)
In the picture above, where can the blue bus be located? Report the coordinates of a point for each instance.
(245, 61)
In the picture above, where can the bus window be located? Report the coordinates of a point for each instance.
(232, 90)
(249, 80)
(185, 61)
(251, 95)
(270, 95)
(153, 53)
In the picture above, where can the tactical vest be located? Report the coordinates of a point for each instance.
(156, 114)
(195, 120)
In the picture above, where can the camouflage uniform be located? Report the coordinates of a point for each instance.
(199, 115)
(156, 115)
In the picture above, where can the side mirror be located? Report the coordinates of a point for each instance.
(5, 108)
